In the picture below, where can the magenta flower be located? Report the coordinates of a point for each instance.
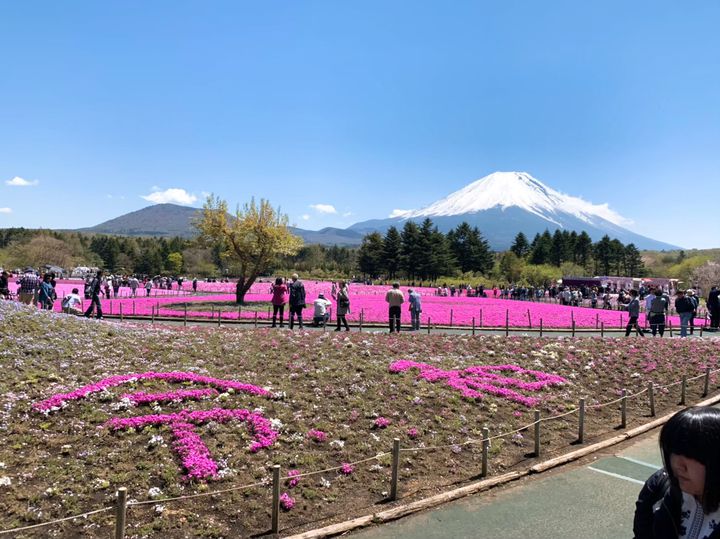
(293, 479)
(286, 501)
(317, 435)
(381, 422)
(346, 468)
(412, 432)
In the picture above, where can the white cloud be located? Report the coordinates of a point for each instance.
(5, 210)
(305, 217)
(347, 214)
(17, 181)
(399, 213)
(171, 196)
(323, 208)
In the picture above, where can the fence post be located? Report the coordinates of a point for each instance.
(275, 525)
(120, 512)
(185, 317)
(669, 324)
(219, 317)
(451, 317)
(623, 409)
(133, 308)
(683, 390)
(573, 328)
(529, 319)
(362, 315)
(537, 433)
(111, 307)
(481, 318)
(621, 321)
(152, 315)
(485, 447)
(395, 468)
(581, 423)
(473, 326)
(507, 322)
(602, 329)
(597, 321)
(651, 393)
(255, 319)
(428, 325)
(541, 327)
(706, 387)
(212, 312)
(121, 313)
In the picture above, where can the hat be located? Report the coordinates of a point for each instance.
(321, 295)
(690, 292)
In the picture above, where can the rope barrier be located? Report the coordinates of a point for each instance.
(200, 495)
(83, 515)
(326, 470)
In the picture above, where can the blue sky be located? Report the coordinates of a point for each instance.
(339, 112)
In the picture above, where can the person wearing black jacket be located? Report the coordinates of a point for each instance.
(94, 290)
(713, 305)
(684, 306)
(683, 498)
(297, 300)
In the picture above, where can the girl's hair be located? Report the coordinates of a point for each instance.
(695, 433)
(278, 280)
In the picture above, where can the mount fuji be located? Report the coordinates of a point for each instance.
(505, 203)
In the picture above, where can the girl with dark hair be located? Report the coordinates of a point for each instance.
(279, 299)
(342, 296)
(683, 499)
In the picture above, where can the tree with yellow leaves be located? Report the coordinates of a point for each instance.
(252, 238)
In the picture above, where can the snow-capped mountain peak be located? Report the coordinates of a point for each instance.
(519, 189)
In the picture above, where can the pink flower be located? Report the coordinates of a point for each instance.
(381, 422)
(346, 468)
(293, 479)
(412, 432)
(286, 501)
(317, 435)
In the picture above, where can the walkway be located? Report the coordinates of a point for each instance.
(593, 501)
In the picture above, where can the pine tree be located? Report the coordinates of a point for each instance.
(409, 250)
(634, 266)
(520, 245)
(392, 245)
(370, 255)
(541, 253)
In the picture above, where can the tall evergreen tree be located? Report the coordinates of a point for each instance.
(470, 249)
(521, 246)
(370, 255)
(602, 253)
(410, 256)
(442, 260)
(558, 249)
(583, 249)
(392, 246)
(634, 266)
(541, 253)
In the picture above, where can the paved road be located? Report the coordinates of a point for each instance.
(592, 501)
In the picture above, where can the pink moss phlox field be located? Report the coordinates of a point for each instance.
(59, 400)
(473, 382)
(194, 454)
(139, 398)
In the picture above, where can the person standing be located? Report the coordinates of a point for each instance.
(633, 312)
(415, 309)
(713, 306)
(194, 284)
(148, 287)
(394, 297)
(134, 283)
(279, 299)
(658, 309)
(4, 285)
(46, 292)
(342, 298)
(684, 307)
(28, 286)
(94, 289)
(690, 294)
(297, 300)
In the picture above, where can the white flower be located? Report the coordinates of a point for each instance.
(159, 509)
(324, 482)
(156, 440)
(276, 424)
(337, 443)
(5, 481)
(154, 492)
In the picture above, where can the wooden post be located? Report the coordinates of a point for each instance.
(623, 409)
(362, 315)
(219, 317)
(485, 448)
(152, 315)
(133, 308)
(651, 394)
(428, 325)
(669, 324)
(581, 423)
(481, 318)
(537, 433)
(275, 524)
(451, 317)
(621, 321)
(683, 390)
(239, 312)
(185, 317)
(507, 322)
(395, 468)
(111, 307)
(120, 512)
(597, 321)
(602, 329)
(121, 313)
(473, 326)
(573, 328)
(541, 327)
(529, 319)
(706, 387)
(256, 319)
